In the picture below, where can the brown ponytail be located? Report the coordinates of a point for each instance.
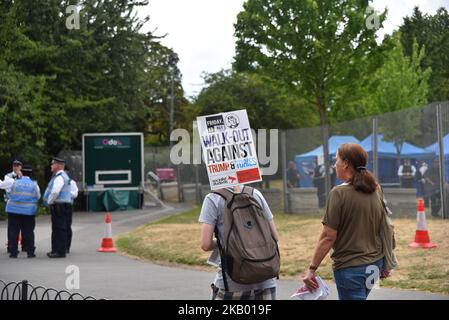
(357, 158)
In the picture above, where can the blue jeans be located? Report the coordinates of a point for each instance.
(355, 283)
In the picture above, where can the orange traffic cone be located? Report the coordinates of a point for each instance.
(107, 244)
(422, 239)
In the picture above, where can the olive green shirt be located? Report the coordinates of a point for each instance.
(357, 218)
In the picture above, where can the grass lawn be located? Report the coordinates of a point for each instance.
(175, 240)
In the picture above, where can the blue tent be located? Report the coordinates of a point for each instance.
(436, 150)
(305, 163)
(387, 155)
(386, 152)
(386, 149)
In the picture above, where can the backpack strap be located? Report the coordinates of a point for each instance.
(228, 197)
(223, 264)
(226, 194)
(248, 190)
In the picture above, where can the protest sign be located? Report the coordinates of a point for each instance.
(228, 149)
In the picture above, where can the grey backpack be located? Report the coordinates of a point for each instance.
(249, 254)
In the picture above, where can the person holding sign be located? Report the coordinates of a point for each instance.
(259, 282)
(237, 214)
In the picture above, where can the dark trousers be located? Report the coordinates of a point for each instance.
(435, 202)
(59, 215)
(319, 184)
(425, 193)
(407, 183)
(69, 228)
(21, 223)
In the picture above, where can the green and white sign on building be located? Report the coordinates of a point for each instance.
(113, 170)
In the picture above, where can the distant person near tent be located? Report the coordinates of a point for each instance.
(406, 173)
(421, 177)
(319, 183)
(433, 181)
(292, 175)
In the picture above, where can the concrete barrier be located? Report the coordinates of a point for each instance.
(189, 192)
(169, 191)
(402, 202)
(205, 189)
(303, 200)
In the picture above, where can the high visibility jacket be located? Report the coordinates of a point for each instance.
(23, 197)
(64, 196)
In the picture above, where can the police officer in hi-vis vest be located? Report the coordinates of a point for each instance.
(57, 196)
(21, 208)
(16, 169)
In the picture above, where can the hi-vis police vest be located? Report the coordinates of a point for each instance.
(23, 197)
(64, 196)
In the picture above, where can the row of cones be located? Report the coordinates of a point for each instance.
(422, 238)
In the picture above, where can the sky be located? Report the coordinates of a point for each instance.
(201, 32)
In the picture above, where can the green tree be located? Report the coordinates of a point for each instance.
(431, 32)
(103, 77)
(322, 50)
(158, 90)
(269, 105)
(22, 129)
(399, 84)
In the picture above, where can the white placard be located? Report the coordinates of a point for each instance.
(228, 149)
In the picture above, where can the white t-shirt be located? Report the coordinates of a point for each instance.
(212, 213)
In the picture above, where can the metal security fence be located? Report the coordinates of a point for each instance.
(25, 291)
(414, 139)
(418, 137)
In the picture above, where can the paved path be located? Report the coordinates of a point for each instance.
(115, 276)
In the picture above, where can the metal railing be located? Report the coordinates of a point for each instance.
(25, 291)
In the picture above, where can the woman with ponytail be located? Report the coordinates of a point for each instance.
(352, 227)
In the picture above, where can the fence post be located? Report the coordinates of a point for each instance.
(179, 184)
(285, 191)
(24, 290)
(327, 178)
(375, 154)
(441, 161)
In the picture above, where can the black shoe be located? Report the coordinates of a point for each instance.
(67, 251)
(31, 255)
(14, 256)
(55, 255)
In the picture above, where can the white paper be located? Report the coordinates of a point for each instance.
(214, 258)
(321, 293)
